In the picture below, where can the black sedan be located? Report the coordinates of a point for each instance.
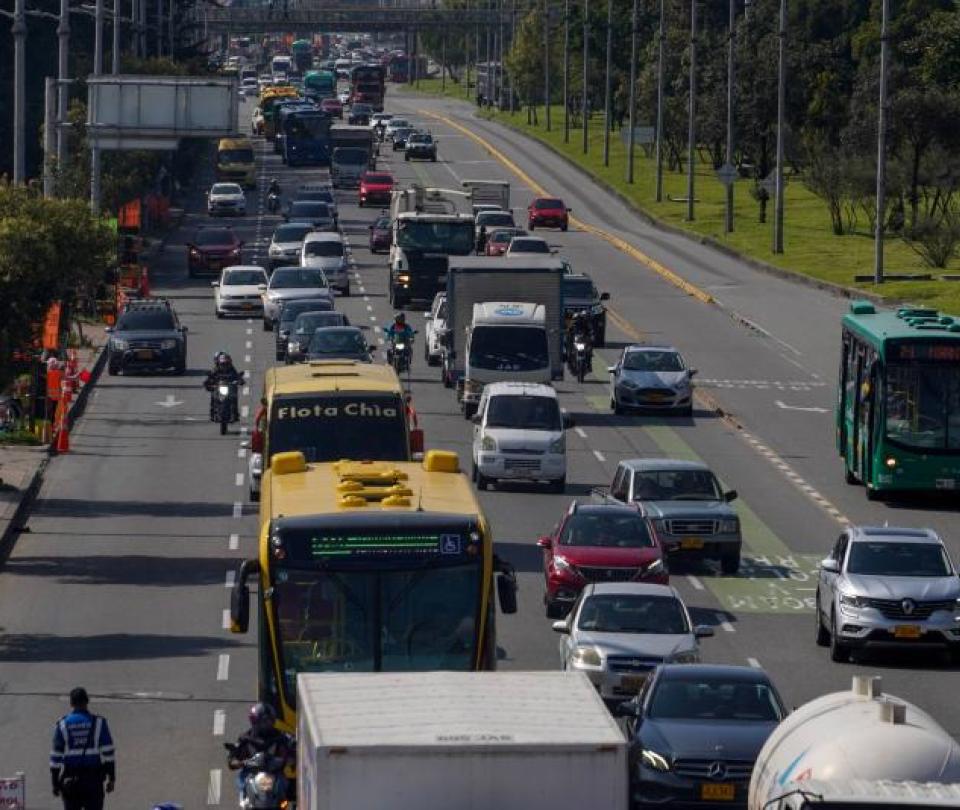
(400, 138)
(695, 733)
(339, 343)
(422, 146)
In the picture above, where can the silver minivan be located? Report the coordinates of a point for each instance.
(327, 252)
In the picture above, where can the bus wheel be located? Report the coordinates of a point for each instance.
(875, 494)
(849, 477)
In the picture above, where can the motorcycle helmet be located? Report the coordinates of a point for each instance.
(223, 360)
(400, 318)
(262, 717)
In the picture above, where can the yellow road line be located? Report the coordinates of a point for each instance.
(652, 264)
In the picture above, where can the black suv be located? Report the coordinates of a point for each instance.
(148, 336)
(581, 295)
(421, 145)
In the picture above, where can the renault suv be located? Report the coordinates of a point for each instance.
(148, 336)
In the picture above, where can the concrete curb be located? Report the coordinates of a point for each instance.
(16, 524)
(838, 290)
(80, 403)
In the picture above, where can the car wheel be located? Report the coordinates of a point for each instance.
(531, 226)
(839, 652)
(483, 482)
(360, 203)
(686, 411)
(554, 610)
(849, 477)
(254, 495)
(559, 486)
(473, 472)
(267, 326)
(346, 291)
(445, 379)
(875, 494)
(180, 369)
(563, 227)
(616, 407)
(113, 369)
(730, 563)
(218, 313)
(823, 635)
(406, 158)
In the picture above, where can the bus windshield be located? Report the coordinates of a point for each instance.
(509, 348)
(923, 405)
(329, 427)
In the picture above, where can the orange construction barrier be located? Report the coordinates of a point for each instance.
(62, 425)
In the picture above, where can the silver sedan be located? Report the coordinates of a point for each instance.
(651, 377)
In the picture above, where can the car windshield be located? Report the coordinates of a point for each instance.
(291, 233)
(455, 238)
(418, 138)
(378, 179)
(291, 310)
(308, 322)
(350, 155)
(135, 320)
(307, 125)
(338, 342)
(382, 224)
(923, 405)
(606, 529)
(529, 246)
(509, 348)
(714, 699)
(542, 205)
(888, 559)
(401, 133)
(491, 219)
(243, 277)
(325, 249)
(226, 188)
(214, 236)
(235, 156)
(652, 361)
(502, 237)
(676, 485)
(399, 123)
(288, 278)
(309, 208)
(315, 196)
(524, 413)
(633, 613)
(578, 288)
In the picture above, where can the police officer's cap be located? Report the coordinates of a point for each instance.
(79, 697)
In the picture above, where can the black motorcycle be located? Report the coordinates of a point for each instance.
(581, 357)
(273, 202)
(223, 406)
(263, 785)
(399, 353)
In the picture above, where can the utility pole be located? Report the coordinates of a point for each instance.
(159, 28)
(633, 90)
(97, 71)
(170, 5)
(63, 47)
(466, 64)
(659, 144)
(49, 133)
(692, 112)
(19, 31)
(731, 14)
(443, 61)
(115, 40)
(546, 62)
(586, 73)
(513, 39)
(607, 99)
(500, 57)
(566, 71)
(781, 103)
(882, 145)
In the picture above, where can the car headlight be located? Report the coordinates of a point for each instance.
(596, 309)
(654, 568)
(558, 445)
(686, 657)
(404, 278)
(729, 526)
(293, 347)
(168, 344)
(654, 760)
(626, 382)
(488, 443)
(852, 601)
(264, 782)
(562, 564)
(120, 343)
(276, 250)
(587, 657)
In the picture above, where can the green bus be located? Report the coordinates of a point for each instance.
(320, 84)
(898, 403)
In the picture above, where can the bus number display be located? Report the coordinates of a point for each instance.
(924, 352)
(385, 545)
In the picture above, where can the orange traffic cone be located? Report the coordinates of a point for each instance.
(63, 438)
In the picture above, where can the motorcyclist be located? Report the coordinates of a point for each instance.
(274, 187)
(273, 195)
(223, 371)
(579, 331)
(263, 737)
(399, 332)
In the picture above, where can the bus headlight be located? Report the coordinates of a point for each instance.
(891, 462)
(488, 443)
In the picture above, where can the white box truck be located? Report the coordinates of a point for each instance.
(856, 749)
(457, 741)
(488, 192)
(507, 287)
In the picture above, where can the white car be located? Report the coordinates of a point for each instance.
(393, 125)
(238, 292)
(344, 96)
(527, 246)
(289, 284)
(226, 198)
(518, 435)
(435, 330)
(249, 86)
(327, 251)
(286, 244)
(380, 118)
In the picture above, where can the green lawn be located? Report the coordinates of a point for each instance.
(810, 247)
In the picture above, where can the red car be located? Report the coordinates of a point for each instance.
(212, 249)
(499, 240)
(548, 212)
(380, 235)
(599, 543)
(375, 187)
(332, 106)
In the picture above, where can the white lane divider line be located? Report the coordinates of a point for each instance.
(366, 298)
(249, 344)
(242, 452)
(580, 432)
(249, 331)
(233, 542)
(727, 627)
(226, 618)
(369, 308)
(244, 411)
(246, 390)
(246, 359)
(373, 318)
(243, 430)
(380, 340)
(223, 666)
(213, 787)
(697, 584)
(754, 663)
(249, 320)
(600, 456)
(219, 722)
(238, 509)
(238, 479)
(230, 578)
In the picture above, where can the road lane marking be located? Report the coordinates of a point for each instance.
(230, 578)
(223, 666)
(246, 359)
(219, 722)
(242, 452)
(237, 509)
(213, 787)
(249, 331)
(244, 411)
(727, 627)
(600, 457)
(809, 409)
(249, 344)
(754, 663)
(580, 432)
(233, 542)
(226, 618)
(238, 479)
(246, 390)
(697, 584)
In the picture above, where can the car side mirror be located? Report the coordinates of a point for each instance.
(109, 330)
(611, 369)
(476, 419)
(604, 296)
(561, 627)
(730, 495)
(703, 631)
(830, 565)
(568, 421)
(184, 329)
(691, 371)
(628, 708)
(543, 541)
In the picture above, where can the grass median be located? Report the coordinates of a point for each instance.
(810, 247)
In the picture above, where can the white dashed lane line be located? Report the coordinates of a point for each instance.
(580, 432)
(697, 584)
(754, 663)
(219, 722)
(599, 456)
(238, 479)
(226, 618)
(213, 787)
(233, 542)
(223, 666)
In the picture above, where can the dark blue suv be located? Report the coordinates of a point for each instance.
(148, 336)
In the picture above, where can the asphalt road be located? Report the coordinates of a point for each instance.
(122, 581)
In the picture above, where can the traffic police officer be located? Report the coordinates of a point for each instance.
(82, 756)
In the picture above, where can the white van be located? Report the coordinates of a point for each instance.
(518, 435)
(326, 250)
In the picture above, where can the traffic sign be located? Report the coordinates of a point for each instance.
(727, 174)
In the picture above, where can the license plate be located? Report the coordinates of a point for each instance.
(691, 543)
(907, 631)
(145, 354)
(632, 683)
(717, 792)
(946, 483)
(248, 306)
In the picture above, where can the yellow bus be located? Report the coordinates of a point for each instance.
(235, 161)
(370, 567)
(269, 98)
(332, 409)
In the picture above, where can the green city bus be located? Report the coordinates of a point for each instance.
(898, 403)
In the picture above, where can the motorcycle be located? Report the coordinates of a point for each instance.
(273, 202)
(224, 406)
(263, 787)
(399, 354)
(581, 359)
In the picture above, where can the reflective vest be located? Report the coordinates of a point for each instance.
(81, 740)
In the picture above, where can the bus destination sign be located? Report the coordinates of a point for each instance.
(927, 351)
(394, 544)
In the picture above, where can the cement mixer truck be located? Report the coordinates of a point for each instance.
(857, 749)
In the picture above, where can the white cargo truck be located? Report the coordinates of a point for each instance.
(457, 741)
(488, 192)
(507, 287)
(857, 749)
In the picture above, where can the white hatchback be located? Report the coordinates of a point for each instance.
(518, 435)
(238, 292)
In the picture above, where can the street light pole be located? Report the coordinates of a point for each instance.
(607, 100)
(97, 71)
(659, 143)
(546, 62)
(633, 91)
(63, 47)
(781, 102)
(882, 145)
(566, 71)
(586, 73)
(692, 112)
(159, 28)
(19, 31)
(170, 4)
(115, 39)
(728, 214)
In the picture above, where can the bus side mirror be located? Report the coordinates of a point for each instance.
(416, 440)
(506, 586)
(240, 597)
